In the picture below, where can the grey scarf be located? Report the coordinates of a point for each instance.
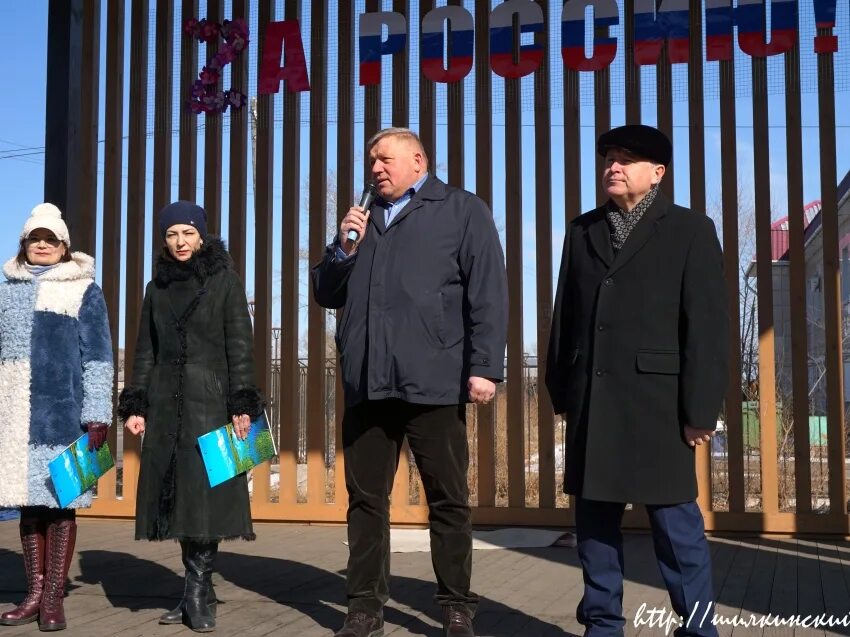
(621, 223)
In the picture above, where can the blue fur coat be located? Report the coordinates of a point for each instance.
(55, 373)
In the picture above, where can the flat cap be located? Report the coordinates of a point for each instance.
(641, 140)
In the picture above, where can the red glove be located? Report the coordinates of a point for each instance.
(97, 434)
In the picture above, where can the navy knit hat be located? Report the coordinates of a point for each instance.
(183, 212)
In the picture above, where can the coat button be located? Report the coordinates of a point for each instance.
(608, 282)
(600, 327)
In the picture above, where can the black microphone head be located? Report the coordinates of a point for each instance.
(369, 194)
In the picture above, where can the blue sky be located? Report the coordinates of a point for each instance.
(23, 118)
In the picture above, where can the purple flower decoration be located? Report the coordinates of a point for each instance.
(190, 27)
(208, 31)
(225, 56)
(236, 99)
(209, 76)
(204, 96)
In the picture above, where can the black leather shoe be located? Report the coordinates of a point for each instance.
(457, 622)
(361, 625)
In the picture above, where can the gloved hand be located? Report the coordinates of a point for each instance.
(97, 434)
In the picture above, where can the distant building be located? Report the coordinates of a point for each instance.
(814, 301)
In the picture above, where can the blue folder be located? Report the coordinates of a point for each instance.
(76, 470)
(225, 456)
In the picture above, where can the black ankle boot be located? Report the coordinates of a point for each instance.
(175, 616)
(199, 567)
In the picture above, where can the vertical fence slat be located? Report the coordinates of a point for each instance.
(401, 117)
(316, 319)
(515, 417)
(238, 213)
(731, 266)
(136, 182)
(213, 139)
(263, 244)
(113, 154)
(455, 127)
(543, 239)
(289, 301)
(572, 176)
(263, 234)
(345, 193)
(371, 106)
(696, 143)
(764, 270)
(238, 186)
(664, 98)
(427, 95)
(602, 97)
(832, 290)
(187, 184)
(164, 60)
(485, 457)
(86, 232)
(632, 71)
(401, 73)
(797, 297)
(572, 144)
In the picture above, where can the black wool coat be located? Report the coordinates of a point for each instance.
(425, 300)
(638, 349)
(193, 370)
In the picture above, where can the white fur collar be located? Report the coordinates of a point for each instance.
(81, 266)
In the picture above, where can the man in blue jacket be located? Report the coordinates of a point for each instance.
(423, 332)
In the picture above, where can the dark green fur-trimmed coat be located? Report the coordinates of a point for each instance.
(193, 370)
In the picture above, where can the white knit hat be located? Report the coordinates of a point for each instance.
(48, 216)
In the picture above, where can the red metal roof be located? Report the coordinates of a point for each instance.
(780, 231)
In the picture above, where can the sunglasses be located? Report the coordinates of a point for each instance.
(51, 241)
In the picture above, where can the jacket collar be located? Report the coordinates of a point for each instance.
(432, 190)
(210, 259)
(80, 267)
(600, 234)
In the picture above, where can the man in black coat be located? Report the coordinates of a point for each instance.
(423, 332)
(637, 363)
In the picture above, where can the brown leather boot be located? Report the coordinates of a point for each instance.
(32, 542)
(361, 625)
(457, 621)
(59, 550)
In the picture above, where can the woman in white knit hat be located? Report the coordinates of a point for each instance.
(55, 384)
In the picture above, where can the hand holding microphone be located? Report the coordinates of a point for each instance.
(353, 226)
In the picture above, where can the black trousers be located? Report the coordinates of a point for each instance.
(372, 435)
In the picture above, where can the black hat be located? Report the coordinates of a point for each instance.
(183, 212)
(643, 141)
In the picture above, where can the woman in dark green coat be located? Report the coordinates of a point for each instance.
(193, 372)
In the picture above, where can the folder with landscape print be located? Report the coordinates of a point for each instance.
(225, 456)
(76, 470)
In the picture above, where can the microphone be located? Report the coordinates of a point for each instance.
(366, 200)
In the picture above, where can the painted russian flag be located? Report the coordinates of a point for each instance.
(719, 21)
(502, 38)
(672, 23)
(605, 14)
(462, 44)
(784, 25)
(372, 47)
